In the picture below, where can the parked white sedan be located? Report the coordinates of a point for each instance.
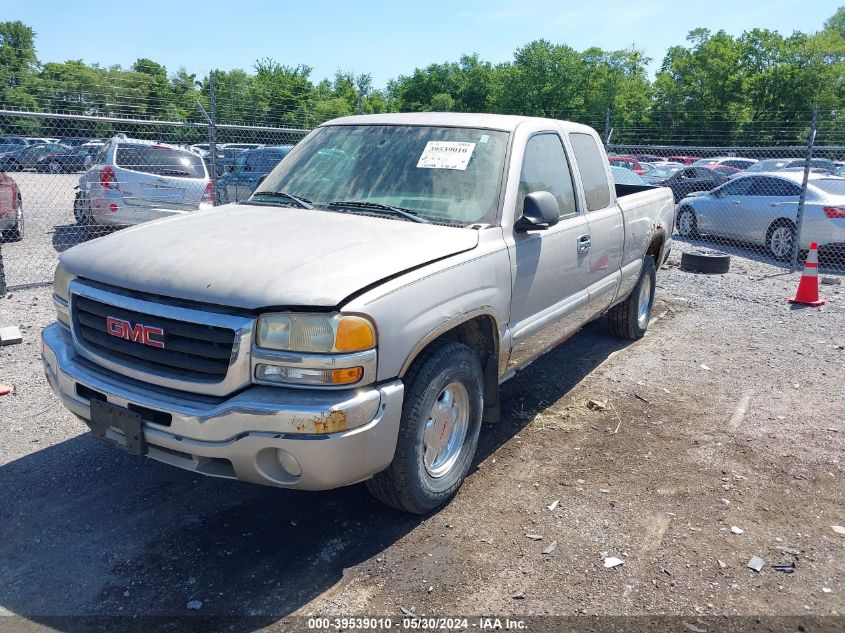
(762, 209)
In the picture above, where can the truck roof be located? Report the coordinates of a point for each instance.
(503, 122)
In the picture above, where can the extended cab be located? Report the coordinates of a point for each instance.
(353, 319)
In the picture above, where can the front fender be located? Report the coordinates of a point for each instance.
(414, 309)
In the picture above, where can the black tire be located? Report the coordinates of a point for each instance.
(82, 211)
(778, 231)
(688, 229)
(406, 484)
(709, 262)
(55, 167)
(16, 233)
(625, 318)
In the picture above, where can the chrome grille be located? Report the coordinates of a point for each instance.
(190, 349)
(206, 351)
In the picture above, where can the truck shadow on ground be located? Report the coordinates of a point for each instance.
(88, 530)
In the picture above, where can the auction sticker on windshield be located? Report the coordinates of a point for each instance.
(446, 155)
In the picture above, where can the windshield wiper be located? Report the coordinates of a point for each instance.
(378, 206)
(302, 202)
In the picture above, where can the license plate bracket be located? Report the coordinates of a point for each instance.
(105, 416)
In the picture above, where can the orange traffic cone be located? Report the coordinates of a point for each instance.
(808, 287)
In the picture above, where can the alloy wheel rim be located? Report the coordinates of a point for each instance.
(781, 241)
(685, 224)
(446, 430)
(644, 303)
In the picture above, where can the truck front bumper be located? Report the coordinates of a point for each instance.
(291, 438)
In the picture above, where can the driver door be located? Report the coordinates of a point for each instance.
(551, 267)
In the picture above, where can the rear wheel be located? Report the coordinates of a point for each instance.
(438, 434)
(82, 210)
(55, 167)
(630, 318)
(779, 239)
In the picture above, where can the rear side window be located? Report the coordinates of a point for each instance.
(775, 187)
(545, 168)
(593, 173)
(159, 160)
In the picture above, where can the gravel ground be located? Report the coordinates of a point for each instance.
(730, 412)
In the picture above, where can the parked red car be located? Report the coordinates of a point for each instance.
(686, 160)
(629, 162)
(11, 210)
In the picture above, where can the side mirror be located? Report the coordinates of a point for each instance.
(260, 180)
(718, 193)
(539, 212)
(230, 168)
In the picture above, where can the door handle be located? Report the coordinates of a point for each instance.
(584, 243)
(735, 203)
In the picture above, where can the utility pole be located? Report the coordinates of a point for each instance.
(212, 128)
(799, 217)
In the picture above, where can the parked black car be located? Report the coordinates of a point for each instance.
(74, 160)
(27, 157)
(249, 170)
(683, 180)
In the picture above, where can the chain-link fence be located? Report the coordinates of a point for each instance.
(68, 178)
(768, 201)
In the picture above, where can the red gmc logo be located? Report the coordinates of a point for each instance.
(138, 333)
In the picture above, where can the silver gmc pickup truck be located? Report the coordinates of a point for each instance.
(353, 320)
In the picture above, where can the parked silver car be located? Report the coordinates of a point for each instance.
(762, 209)
(134, 181)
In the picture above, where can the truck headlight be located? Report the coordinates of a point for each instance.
(61, 282)
(321, 350)
(61, 291)
(315, 333)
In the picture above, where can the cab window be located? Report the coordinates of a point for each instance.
(592, 169)
(545, 168)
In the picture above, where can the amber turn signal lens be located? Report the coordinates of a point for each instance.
(354, 334)
(347, 376)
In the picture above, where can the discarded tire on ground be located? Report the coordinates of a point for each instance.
(709, 262)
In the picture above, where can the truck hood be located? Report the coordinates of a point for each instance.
(247, 256)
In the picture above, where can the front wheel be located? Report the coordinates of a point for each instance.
(438, 434)
(630, 318)
(687, 223)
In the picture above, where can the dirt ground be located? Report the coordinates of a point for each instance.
(730, 413)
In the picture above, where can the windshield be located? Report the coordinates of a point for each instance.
(159, 160)
(444, 175)
(663, 172)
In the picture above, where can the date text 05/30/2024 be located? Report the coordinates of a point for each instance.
(416, 623)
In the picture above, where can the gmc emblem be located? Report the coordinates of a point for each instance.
(139, 333)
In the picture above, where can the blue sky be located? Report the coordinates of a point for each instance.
(383, 38)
